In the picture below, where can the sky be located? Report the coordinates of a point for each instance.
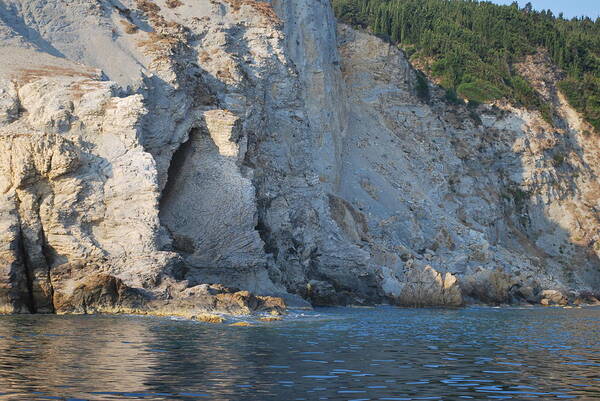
(570, 8)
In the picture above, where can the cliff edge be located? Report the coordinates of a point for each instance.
(159, 155)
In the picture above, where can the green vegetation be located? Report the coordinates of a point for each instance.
(472, 46)
(584, 95)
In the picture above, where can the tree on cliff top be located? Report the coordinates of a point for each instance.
(472, 46)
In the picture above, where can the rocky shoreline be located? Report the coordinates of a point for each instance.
(104, 294)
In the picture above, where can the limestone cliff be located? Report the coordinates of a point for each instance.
(150, 148)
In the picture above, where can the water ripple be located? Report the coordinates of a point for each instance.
(334, 354)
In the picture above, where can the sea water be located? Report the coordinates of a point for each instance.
(327, 354)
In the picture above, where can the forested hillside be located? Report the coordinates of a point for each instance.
(471, 47)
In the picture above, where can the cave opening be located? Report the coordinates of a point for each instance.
(178, 161)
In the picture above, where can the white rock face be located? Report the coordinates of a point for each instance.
(258, 145)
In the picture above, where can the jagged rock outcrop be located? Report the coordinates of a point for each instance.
(427, 287)
(553, 297)
(258, 145)
(108, 294)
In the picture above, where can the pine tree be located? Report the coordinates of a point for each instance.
(473, 45)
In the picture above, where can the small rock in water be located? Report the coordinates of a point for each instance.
(209, 318)
(270, 319)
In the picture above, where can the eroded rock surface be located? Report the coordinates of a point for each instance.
(148, 152)
(427, 287)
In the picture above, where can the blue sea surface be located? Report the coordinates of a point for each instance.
(328, 354)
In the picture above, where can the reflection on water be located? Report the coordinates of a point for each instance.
(329, 354)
